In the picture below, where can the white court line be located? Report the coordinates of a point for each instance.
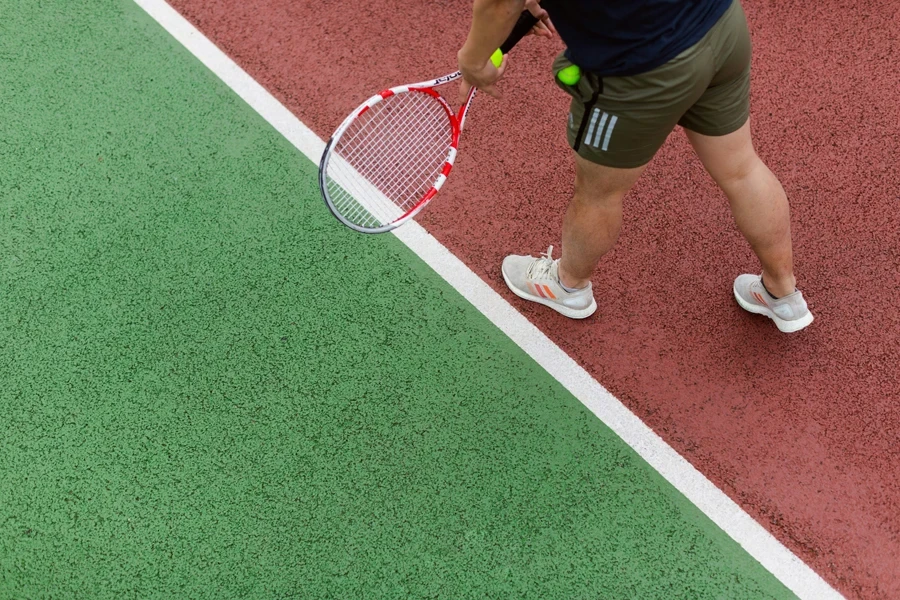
(759, 543)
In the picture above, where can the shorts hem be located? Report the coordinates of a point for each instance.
(614, 163)
(720, 130)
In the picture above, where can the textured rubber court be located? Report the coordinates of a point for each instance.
(210, 389)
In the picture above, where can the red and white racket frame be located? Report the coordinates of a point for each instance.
(457, 122)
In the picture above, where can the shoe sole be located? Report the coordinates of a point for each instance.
(572, 313)
(781, 324)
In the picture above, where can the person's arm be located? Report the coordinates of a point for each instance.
(492, 21)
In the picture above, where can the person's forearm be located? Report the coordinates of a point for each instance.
(492, 21)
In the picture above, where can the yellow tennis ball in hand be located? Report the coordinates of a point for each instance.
(570, 75)
(497, 58)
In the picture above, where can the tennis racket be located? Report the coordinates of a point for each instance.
(393, 153)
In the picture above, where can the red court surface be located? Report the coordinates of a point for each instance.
(802, 430)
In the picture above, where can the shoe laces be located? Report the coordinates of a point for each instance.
(540, 267)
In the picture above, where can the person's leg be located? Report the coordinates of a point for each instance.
(590, 228)
(593, 220)
(758, 202)
(615, 126)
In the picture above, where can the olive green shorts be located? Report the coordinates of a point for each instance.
(622, 121)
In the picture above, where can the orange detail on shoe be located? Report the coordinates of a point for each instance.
(760, 299)
(539, 291)
(549, 293)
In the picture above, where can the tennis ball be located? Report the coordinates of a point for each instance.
(497, 58)
(571, 75)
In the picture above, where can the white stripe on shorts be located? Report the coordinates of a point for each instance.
(590, 130)
(609, 130)
(596, 141)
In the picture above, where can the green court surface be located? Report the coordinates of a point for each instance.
(210, 389)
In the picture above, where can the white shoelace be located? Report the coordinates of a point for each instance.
(540, 267)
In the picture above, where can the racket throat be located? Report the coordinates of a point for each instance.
(464, 110)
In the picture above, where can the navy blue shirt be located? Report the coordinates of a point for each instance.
(626, 37)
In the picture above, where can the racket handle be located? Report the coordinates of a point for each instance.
(522, 27)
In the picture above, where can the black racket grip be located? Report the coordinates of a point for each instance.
(523, 26)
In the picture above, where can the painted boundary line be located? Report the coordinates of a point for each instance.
(724, 512)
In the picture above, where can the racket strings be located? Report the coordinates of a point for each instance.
(402, 140)
(391, 169)
(388, 159)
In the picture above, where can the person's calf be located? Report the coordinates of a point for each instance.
(590, 230)
(593, 219)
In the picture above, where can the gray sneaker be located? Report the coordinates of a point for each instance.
(790, 312)
(537, 279)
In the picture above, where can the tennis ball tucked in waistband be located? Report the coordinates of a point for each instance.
(570, 75)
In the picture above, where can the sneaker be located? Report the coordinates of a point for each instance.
(537, 279)
(790, 313)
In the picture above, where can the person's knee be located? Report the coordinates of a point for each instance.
(741, 168)
(597, 196)
(729, 159)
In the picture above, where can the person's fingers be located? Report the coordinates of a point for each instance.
(464, 88)
(533, 6)
(541, 30)
(502, 68)
(490, 90)
(548, 30)
(546, 22)
(484, 79)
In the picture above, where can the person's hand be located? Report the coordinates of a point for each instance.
(544, 27)
(484, 76)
